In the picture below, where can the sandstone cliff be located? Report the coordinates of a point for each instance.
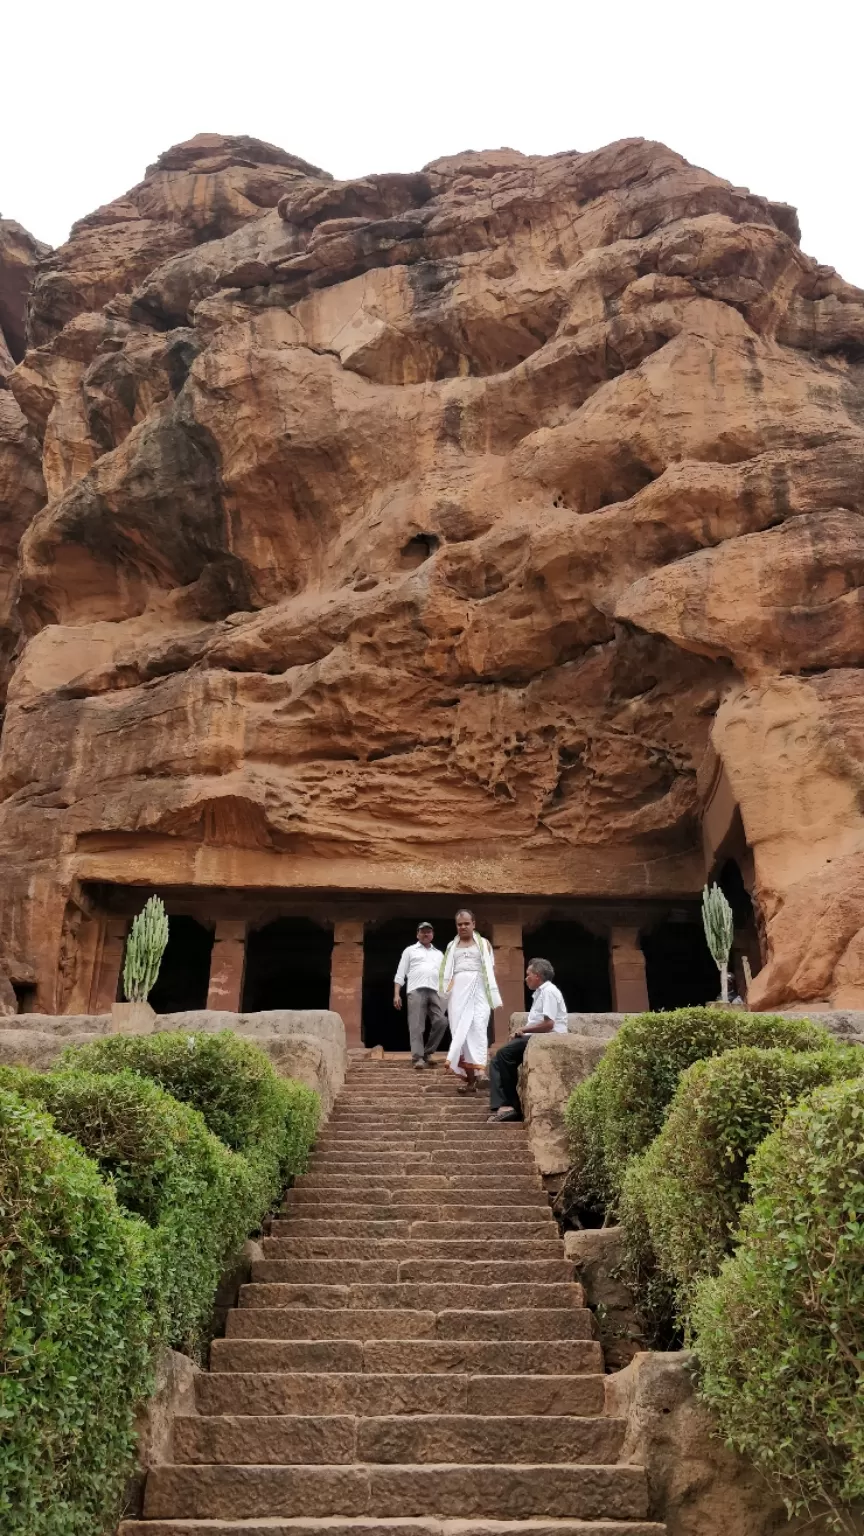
(510, 483)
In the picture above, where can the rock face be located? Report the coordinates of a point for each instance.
(22, 487)
(552, 1067)
(598, 1256)
(507, 484)
(696, 1485)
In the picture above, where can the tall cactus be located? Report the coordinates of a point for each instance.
(718, 924)
(144, 950)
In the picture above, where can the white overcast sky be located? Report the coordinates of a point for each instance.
(766, 93)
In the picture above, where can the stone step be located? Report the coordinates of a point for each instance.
(449, 1230)
(420, 1271)
(361, 1526)
(416, 1120)
(368, 1396)
(441, 1147)
(439, 1089)
(288, 1244)
(404, 1210)
(416, 1140)
(415, 1295)
(522, 1324)
(398, 1199)
(505, 1491)
(396, 1439)
(421, 1183)
(408, 1357)
(362, 1161)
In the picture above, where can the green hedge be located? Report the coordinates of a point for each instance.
(780, 1331)
(271, 1120)
(686, 1192)
(75, 1333)
(196, 1196)
(618, 1111)
(86, 1289)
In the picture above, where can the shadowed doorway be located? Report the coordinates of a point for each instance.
(382, 946)
(184, 975)
(581, 961)
(679, 969)
(288, 965)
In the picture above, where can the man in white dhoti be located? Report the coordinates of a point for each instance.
(468, 981)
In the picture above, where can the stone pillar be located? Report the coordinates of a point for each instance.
(510, 970)
(227, 966)
(627, 971)
(110, 962)
(346, 979)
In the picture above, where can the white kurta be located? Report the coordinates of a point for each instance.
(468, 1011)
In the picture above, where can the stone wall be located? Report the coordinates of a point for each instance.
(309, 1046)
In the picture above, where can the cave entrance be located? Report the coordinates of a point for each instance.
(184, 975)
(383, 944)
(679, 969)
(581, 961)
(287, 965)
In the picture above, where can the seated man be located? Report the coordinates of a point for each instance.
(548, 1014)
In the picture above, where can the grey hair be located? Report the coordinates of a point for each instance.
(468, 913)
(542, 968)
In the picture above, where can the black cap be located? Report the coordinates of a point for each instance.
(425, 925)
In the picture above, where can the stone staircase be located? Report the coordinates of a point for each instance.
(412, 1355)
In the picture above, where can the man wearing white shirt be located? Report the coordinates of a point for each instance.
(419, 971)
(548, 1015)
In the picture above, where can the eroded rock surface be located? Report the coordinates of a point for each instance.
(552, 1067)
(696, 1484)
(22, 486)
(499, 479)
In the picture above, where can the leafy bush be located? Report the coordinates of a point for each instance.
(686, 1192)
(271, 1120)
(780, 1330)
(197, 1197)
(74, 1333)
(617, 1113)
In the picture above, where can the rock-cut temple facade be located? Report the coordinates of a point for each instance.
(490, 534)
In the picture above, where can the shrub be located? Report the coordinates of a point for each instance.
(197, 1197)
(271, 1120)
(687, 1190)
(780, 1330)
(617, 1113)
(74, 1333)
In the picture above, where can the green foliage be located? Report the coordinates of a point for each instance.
(74, 1333)
(196, 1196)
(616, 1114)
(683, 1197)
(780, 1330)
(86, 1290)
(271, 1120)
(144, 950)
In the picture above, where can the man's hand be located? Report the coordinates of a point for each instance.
(397, 998)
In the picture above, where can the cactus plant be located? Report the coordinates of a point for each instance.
(718, 924)
(144, 950)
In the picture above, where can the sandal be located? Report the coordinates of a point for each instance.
(503, 1119)
(467, 1088)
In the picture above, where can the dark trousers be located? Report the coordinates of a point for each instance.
(425, 1003)
(504, 1074)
